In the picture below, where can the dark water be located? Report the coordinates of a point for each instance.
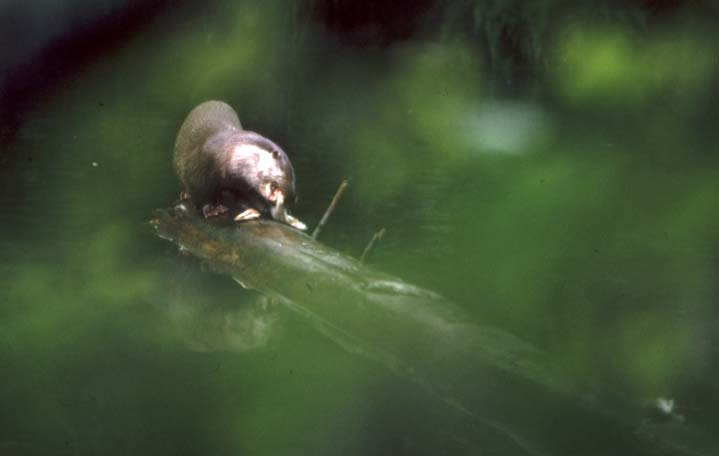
(552, 170)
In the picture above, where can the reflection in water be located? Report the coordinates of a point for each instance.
(503, 127)
(210, 314)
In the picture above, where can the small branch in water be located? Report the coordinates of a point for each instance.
(330, 209)
(370, 245)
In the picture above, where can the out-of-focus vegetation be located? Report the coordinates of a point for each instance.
(551, 167)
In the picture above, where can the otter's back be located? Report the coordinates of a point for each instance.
(205, 120)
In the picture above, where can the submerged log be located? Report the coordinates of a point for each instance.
(509, 389)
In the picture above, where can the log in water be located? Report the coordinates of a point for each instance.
(505, 386)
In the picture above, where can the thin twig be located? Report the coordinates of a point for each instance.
(370, 245)
(330, 209)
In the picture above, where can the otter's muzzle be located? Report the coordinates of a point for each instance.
(279, 213)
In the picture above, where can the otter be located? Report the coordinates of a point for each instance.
(225, 168)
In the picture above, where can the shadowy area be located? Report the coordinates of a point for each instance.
(371, 22)
(31, 76)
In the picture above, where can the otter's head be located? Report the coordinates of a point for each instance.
(263, 167)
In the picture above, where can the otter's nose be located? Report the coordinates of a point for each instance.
(279, 199)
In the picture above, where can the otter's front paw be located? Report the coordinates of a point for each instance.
(249, 214)
(295, 222)
(211, 210)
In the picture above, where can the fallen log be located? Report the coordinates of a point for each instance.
(509, 389)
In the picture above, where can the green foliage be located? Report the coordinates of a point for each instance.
(611, 67)
(592, 234)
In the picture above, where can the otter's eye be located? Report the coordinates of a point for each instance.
(275, 155)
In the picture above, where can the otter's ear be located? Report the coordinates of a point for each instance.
(275, 155)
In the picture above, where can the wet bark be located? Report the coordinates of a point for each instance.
(512, 392)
